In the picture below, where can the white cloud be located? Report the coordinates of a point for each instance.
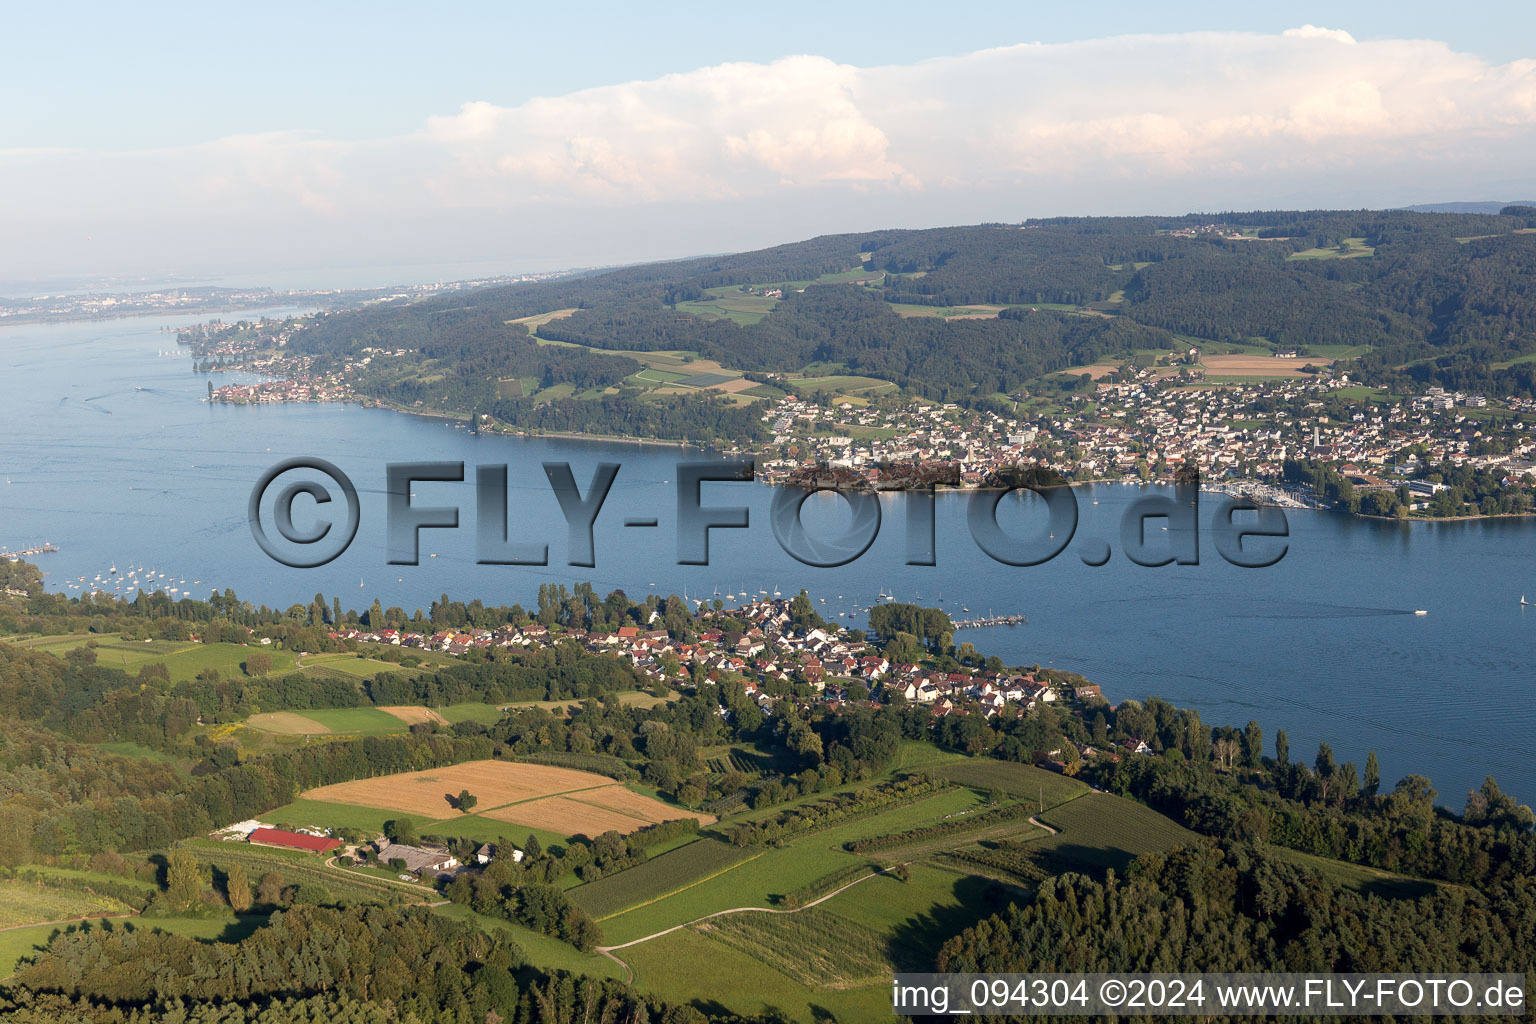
(1165, 118)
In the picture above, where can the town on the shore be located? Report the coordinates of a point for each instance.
(1311, 440)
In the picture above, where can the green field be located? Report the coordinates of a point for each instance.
(755, 963)
(659, 877)
(356, 665)
(1100, 830)
(843, 384)
(1350, 248)
(1371, 881)
(485, 714)
(1025, 782)
(731, 303)
(128, 748)
(815, 947)
(688, 967)
(764, 880)
(542, 951)
(326, 721)
(182, 660)
(356, 720)
(30, 903)
(944, 312)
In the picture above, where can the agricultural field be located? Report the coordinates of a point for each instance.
(542, 950)
(1021, 781)
(495, 783)
(559, 800)
(815, 947)
(1100, 830)
(737, 960)
(762, 881)
(659, 877)
(24, 903)
(357, 665)
(1259, 366)
(325, 721)
(1350, 248)
(411, 715)
(840, 384)
(731, 303)
(629, 698)
(183, 661)
(834, 958)
(907, 309)
(690, 967)
(593, 812)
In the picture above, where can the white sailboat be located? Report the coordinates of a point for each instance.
(1523, 601)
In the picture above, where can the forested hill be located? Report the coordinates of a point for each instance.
(1419, 297)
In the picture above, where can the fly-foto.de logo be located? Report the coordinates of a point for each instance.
(1155, 529)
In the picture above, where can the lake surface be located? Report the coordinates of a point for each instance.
(110, 452)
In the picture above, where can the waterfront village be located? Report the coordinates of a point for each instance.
(1134, 424)
(756, 643)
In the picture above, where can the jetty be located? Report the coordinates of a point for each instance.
(990, 620)
(42, 549)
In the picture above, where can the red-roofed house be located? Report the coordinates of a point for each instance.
(293, 840)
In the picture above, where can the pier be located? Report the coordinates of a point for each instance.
(990, 620)
(42, 549)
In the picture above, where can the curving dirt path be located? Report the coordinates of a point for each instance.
(608, 951)
(1034, 820)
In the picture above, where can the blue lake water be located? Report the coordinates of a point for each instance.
(110, 452)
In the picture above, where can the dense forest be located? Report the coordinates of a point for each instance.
(1437, 298)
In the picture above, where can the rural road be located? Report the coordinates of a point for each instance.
(608, 951)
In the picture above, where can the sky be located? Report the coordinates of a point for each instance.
(303, 142)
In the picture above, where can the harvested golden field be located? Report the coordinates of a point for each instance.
(494, 784)
(570, 816)
(286, 723)
(410, 715)
(733, 387)
(638, 805)
(1260, 366)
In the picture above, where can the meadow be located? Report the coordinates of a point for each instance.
(815, 947)
(1025, 782)
(1100, 830)
(325, 721)
(659, 877)
(764, 881)
(23, 903)
(1371, 881)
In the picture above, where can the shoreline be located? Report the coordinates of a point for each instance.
(659, 443)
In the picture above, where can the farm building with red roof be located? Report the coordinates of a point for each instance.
(293, 840)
